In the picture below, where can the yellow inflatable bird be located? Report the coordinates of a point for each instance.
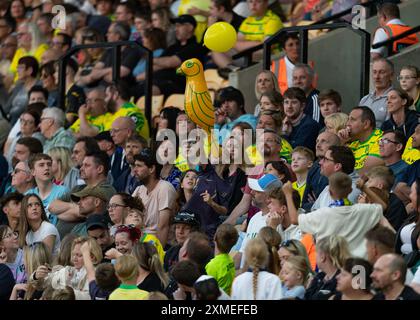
(198, 104)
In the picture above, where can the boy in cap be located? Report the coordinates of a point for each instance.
(97, 227)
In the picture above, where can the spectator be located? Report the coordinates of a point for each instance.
(298, 127)
(27, 73)
(329, 102)
(401, 118)
(22, 179)
(303, 78)
(10, 205)
(97, 228)
(336, 159)
(265, 285)
(9, 46)
(265, 83)
(273, 240)
(151, 275)
(295, 274)
(302, 161)
(158, 196)
(46, 72)
(335, 122)
(13, 254)
(185, 274)
(332, 252)
(44, 24)
(316, 182)
(379, 241)
(92, 116)
(390, 25)
(283, 68)
(126, 237)
(61, 42)
(347, 287)
(328, 221)
(272, 101)
(409, 79)
(161, 20)
(382, 74)
(382, 178)
(222, 267)
(388, 276)
(185, 223)
(221, 10)
(409, 175)
(34, 226)
(261, 24)
(52, 128)
(61, 164)
(391, 147)
(118, 100)
(362, 138)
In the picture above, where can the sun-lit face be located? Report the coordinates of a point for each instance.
(77, 257)
(135, 218)
(291, 277)
(122, 243)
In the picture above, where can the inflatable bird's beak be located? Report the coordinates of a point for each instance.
(179, 72)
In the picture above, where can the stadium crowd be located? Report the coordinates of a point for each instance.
(324, 205)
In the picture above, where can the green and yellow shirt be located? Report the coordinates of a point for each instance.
(363, 149)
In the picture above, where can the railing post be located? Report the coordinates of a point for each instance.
(62, 65)
(365, 65)
(266, 56)
(148, 89)
(116, 57)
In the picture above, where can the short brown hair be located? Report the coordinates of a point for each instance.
(279, 195)
(37, 157)
(295, 93)
(307, 153)
(332, 95)
(106, 278)
(383, 237)
(384, 173)
(226, 236)
(340, 183)
(127, 268)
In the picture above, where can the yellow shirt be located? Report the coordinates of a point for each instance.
(129, 109)
(363, 149)
(128, 292)
(98, 122)
(21, 52)
(257, 29)
(410, 154)
(256, 158)
(300, 189)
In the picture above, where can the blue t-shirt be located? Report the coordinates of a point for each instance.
(295, 292)
(226, 129)
(398, 170)
(410, 173)
(56, 193)
(141, 66)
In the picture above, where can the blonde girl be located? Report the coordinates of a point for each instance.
(295, 274)
(335, 122)
(61, 163)
(255, 283)
(272, 239)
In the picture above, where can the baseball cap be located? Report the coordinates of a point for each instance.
(185, 18)
(96, 220)
(102, 192)
(187, 218)
(232, 94)
(264, 183)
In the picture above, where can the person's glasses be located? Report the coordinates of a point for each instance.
(17, 170)
(399, 78)
(26, 122)
(115, 205)
(324, 158)
(45, 118)
(387, 141)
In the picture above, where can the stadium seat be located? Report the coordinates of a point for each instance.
(157, 102)
(175, 100)
(214, 81)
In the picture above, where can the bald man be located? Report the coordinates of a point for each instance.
(315, 182)
(388, 277)
(122, 129)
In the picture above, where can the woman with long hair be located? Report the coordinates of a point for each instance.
(61, 163)
(409, 79)
(265, 81)
(14, 255)
(256, 284)
(187, 184)
(151, 274)
(34, 225)
(272, 239)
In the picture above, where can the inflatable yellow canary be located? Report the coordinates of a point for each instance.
(198, 104)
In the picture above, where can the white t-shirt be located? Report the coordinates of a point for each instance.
(257, 222)
(292, 232)
(405, 236)
(416, 278)
(46, 229)
(162, 197)
(268, 287)
(350, 222)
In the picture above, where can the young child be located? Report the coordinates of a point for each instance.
(302, 161)
(127, 271)
(335, 122)
(295, 273)
(222, 266)
(340, 188)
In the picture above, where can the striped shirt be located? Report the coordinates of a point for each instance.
(368, 148)
(257, 29)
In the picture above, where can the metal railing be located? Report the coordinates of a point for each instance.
(303, 55)
(116, 65)
(389, 43)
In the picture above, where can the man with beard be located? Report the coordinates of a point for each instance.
(298, 128)
(126, 181)
(158, 196)
(94, 172)
(388, 276)
(269, 144)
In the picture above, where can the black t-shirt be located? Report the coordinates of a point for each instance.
(407, 294)
(6, 282)
(75, 97)
(236, 21)
(320, 289)
(171, 257)
(395, 213)
(151, 283)
(130, 56)
(97, 293)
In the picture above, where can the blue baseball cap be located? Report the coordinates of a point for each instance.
(267, 181)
